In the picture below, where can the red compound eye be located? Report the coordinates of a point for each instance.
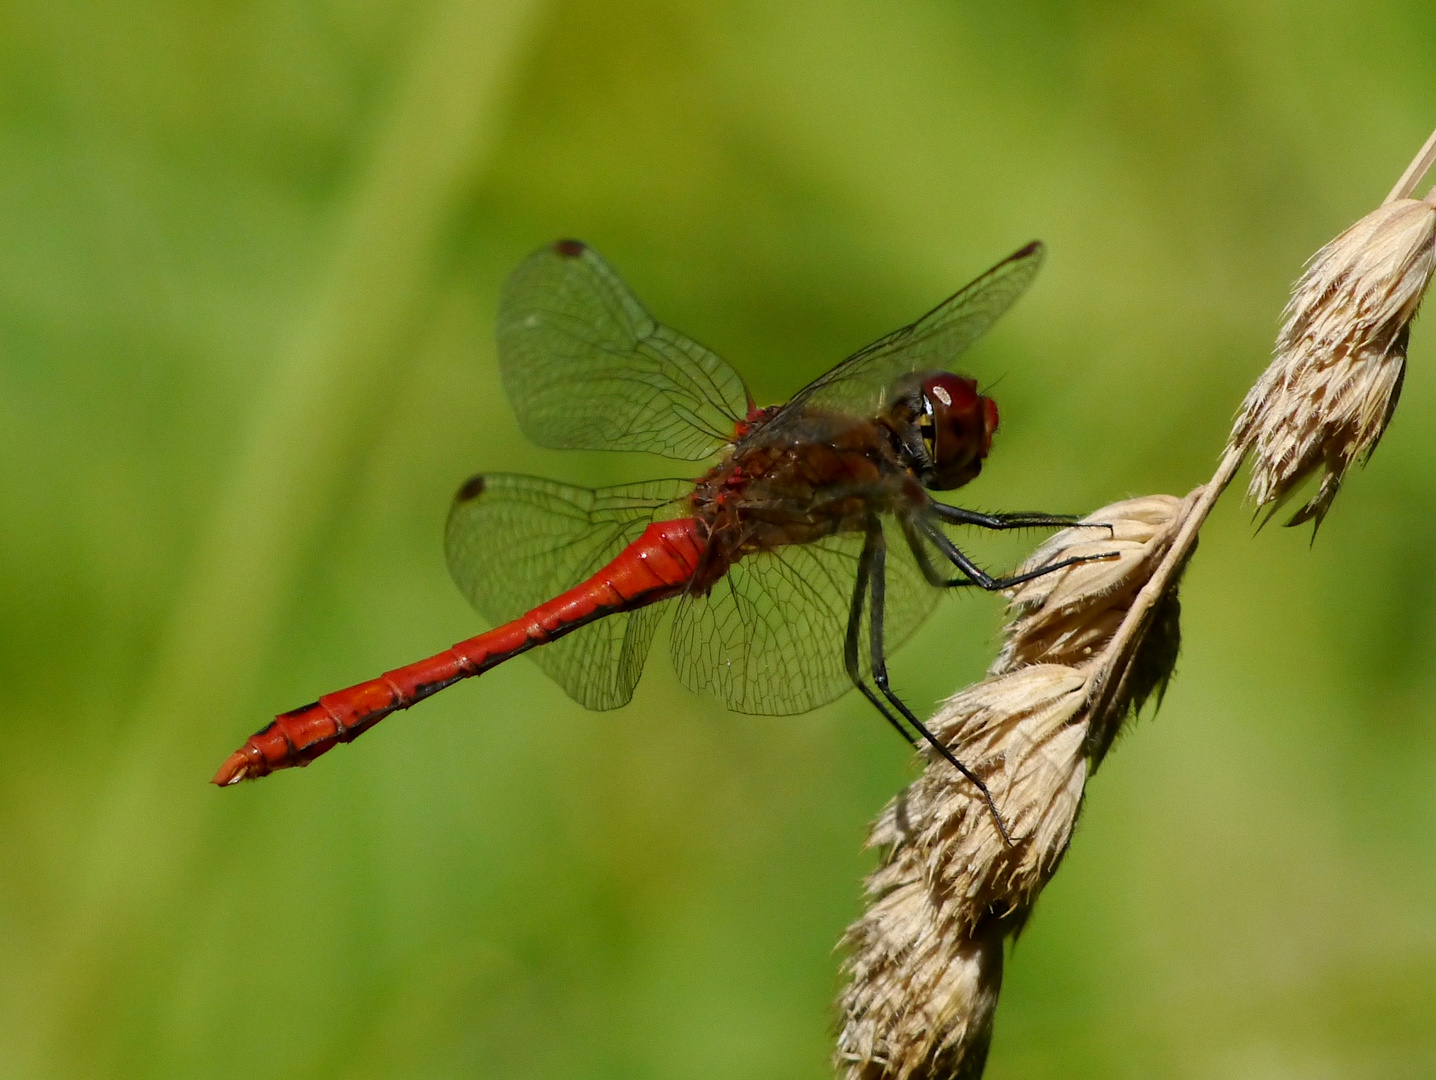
(989, 418)
(961, 427)
(951, 392)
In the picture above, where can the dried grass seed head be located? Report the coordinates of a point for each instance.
(925, 960)
(1327, 396)
(1023, 734)
(1068, 616)
(917, 1005)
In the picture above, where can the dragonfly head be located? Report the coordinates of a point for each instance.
(946, 427)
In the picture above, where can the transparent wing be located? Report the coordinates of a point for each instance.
(514, 542)
(859, 383)
(770, 636)
(586, 367)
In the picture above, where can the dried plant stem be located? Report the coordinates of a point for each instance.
(1419, 167)
(1117, 657)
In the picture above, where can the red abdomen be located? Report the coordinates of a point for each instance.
(656, 566)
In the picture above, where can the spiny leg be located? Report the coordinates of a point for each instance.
(935, 577)
(875, 556)
(997, 522)
(852, 644)
(1022, 519)
(924, 562)
(984, 580)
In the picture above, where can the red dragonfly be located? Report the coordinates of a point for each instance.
(797, 561)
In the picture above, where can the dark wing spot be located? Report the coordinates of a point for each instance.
(569, 249)
(472, 489)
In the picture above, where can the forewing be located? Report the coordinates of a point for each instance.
(514, 542)
(586, 367)
(859, 383)
(769, 638)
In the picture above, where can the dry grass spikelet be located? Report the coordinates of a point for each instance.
(1022, 732)
(1327, 396)
(924, 1007)
(925, 960)
(1072, 616)
(1068, 616)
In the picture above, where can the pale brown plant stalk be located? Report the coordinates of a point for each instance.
(1085, 647)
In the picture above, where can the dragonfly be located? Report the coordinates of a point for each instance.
(809, 549)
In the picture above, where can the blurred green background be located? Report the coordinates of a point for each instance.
(249, 259)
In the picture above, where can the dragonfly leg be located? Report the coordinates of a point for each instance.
(982, 579)
(851, 651)
(934, 576)
(1021, 519)
(874, 566)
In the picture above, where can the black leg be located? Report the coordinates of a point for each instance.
(875, 554)
(984, 580)
(1019, 520)
(853, 640)
(1023, 519)
(924, 561)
